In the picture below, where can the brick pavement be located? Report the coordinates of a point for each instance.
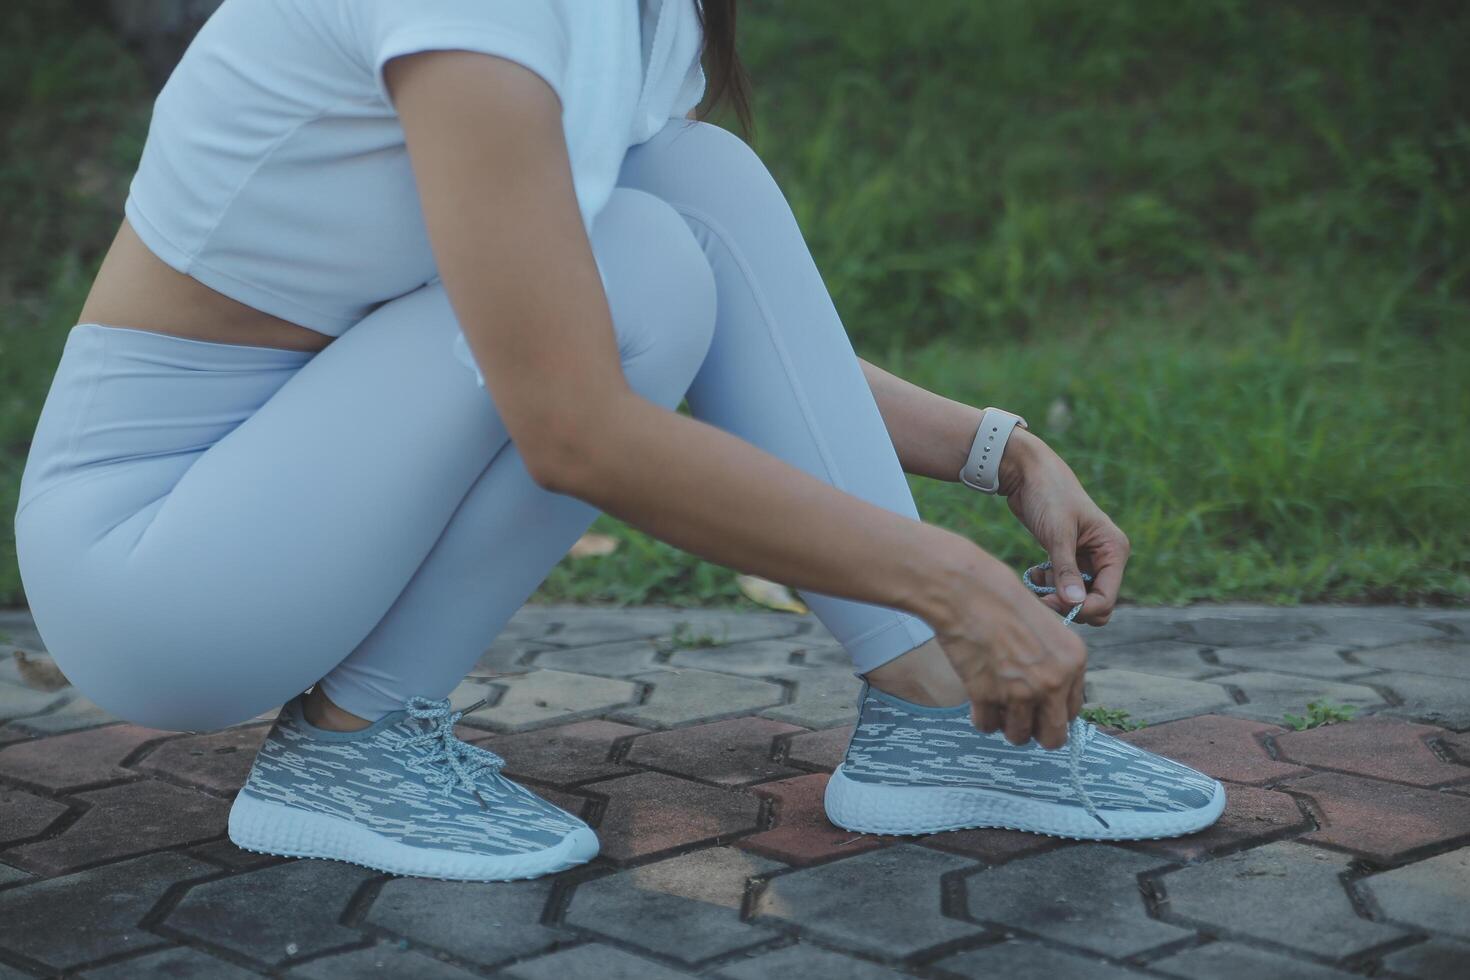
(700, 752)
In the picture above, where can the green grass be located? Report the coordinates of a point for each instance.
(1319, 713)
(1218, 253)
(1110, 718)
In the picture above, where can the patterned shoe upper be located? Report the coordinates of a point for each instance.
(407, 777)
(904, 744)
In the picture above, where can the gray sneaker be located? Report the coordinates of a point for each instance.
(404, 795)
(911, 769)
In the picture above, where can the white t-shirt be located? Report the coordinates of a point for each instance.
(275, 169)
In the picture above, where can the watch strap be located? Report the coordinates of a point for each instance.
(982, 469)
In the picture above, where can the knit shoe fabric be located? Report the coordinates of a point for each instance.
(404, 795)
(911, 769)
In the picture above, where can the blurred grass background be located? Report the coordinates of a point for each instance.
(1218, 253)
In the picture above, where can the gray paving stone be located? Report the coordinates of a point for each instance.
(9, 874)
(1377, 630)
(759, 658)
(1313, 659)
(474, 921)
(1240, 631)
(1132, 625)
(1433, 959)
(1020, 960)
(1150, 698)
(1434, 700)
(825, 696)
(603, 659)
(1248, 892)
(81, 917)
(275, 913)
(805, 962)
(17, 628)
(592, 962)
(681, 697)
(1230, 961)
(1168, 657)
(1430, 894)
(383, 960)
(24, 814)
(77, 713)
(181, 962)
(686, 908)
(17, 701)
(583, 626)
(1271, 696)
(508, 655)
(885, 902)
(1085, 896)
(544, 697)
(1444, 656)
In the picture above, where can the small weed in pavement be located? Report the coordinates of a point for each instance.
(1320, 713)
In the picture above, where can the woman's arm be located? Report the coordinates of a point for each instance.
(485, 138)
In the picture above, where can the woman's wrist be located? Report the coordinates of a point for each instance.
(1021, 452)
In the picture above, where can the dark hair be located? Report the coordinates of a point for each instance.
(722, 68)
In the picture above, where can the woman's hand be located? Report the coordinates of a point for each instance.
(1022, 666)
(1044, 494)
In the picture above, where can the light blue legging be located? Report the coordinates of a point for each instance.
(206, 530)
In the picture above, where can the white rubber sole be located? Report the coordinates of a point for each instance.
(875, 808)
(273, 828)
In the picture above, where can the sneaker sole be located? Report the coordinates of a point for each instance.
(273, 828)
(876, 808)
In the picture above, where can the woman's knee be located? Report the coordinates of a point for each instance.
(703, 170)
(660, 287)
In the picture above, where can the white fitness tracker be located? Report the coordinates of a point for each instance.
(982, 470)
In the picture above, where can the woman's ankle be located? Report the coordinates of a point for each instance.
(923, 675)
(321, 712)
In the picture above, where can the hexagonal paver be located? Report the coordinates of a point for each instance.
(546, 697)
(1433, 959)
(824, 697)
(605, 659)
(25, 815)
(993, 845)
(1020, 960)
(651, 812)
(508, 655)
(479, 922)
(802, 834)
(1251, 814)
(885, 902)
(1130, 626)
(759, 658)
(1246, 893)
(1313, 659)
(1429, 894)
(593, 961)
(78, 759)
(1168, 657)
(219, 761)
(1233, 630)
(17, 701)
(1428, 698)
(820, 750)
(684, 696)
(1221, 746)
(686, 908)
(1383, 748)
(381, 961)
(179, 963)
(1270, 696)
(732, 753)
(273, 914)
(77, 918)
(1229, 961)
(583, 625)
(1445, 656)
(76, 712)
(805, 961)
(123, 820)
(1150, 698)
(1375, 629)
(1381, 820)
(1090, 899)
(564, 755)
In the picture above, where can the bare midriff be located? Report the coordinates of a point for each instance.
(136, 289)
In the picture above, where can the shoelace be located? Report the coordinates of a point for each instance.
(1079, 730)
(463, 763)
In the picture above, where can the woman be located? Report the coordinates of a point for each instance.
(269, 460)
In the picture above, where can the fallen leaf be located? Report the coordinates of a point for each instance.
(42, 675)
(772, 595)
(591, 545)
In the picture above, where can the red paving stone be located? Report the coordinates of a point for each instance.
(1221, 746)
(802, 833)
(732, 753)
(1458, 746)
(1251, 815)
(219, 761)
(76, 759)
(1383, 748)
(1381, 820)
(125, 820)
(652, 812)
(820, 750)
(24, 815)
(559, 756)
(993, 846)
